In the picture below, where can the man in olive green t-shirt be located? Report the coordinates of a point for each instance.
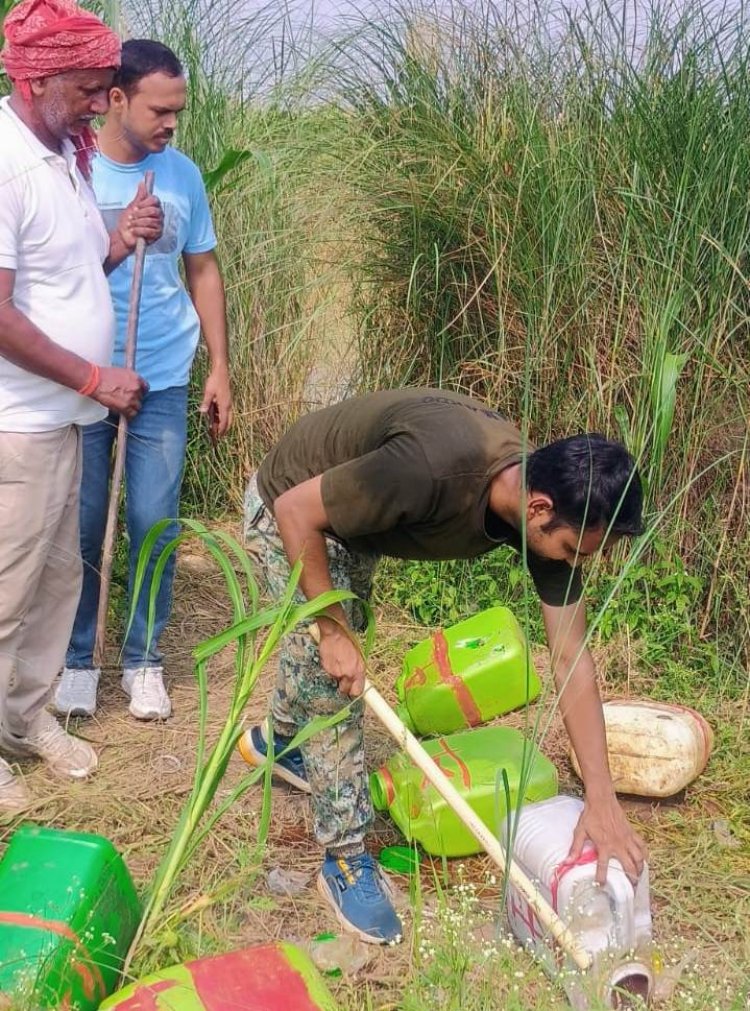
(427, 474)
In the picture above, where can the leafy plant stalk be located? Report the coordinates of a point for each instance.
(255, 634)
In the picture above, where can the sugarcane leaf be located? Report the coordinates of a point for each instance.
(231, 160)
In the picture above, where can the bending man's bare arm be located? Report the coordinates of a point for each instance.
(302, 520)
(603, 821)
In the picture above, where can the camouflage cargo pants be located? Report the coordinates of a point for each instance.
(334, 759)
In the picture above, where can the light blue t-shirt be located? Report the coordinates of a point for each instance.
(168, 328)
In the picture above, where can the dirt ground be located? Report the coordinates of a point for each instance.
(700, 893)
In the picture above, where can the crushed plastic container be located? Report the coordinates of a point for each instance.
(267, 977)
(474, 761)
(68, 913)
(611, 922)
(655, 749)
(467, 674)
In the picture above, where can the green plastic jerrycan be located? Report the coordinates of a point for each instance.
(473, 761)
(467, 674)
(68, 913)
(269, 977)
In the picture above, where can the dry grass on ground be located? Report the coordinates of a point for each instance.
(700, 886)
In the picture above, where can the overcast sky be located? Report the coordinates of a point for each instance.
(282, 33)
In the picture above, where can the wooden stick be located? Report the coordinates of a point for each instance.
(408, 742)
(492, 847)
(131, 338)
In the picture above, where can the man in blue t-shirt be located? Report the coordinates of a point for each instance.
(146, 99)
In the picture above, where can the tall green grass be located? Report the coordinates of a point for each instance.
(551, 213)
(5, 6)
(556, 219)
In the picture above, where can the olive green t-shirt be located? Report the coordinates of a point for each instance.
(407, 473)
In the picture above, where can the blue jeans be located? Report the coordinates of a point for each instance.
(154, 463)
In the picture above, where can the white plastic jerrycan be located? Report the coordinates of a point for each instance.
(612, 922)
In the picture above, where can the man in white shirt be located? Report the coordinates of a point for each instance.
(56, 337)
(146, 100)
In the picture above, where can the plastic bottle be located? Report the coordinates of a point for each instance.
(655, 749)
(612, 922)
(68, 912)
(474, 761)
(467, 674)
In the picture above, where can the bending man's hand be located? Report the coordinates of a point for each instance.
(604, 824)
(341, 657)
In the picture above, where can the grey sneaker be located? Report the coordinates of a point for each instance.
(148, 696)
(14, 797)
(64, 754)
(75, 693)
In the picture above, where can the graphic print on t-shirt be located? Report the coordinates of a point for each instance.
(168, 241)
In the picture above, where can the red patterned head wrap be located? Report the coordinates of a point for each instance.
(48, 37)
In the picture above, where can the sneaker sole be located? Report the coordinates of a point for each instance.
(349, 927)
(148, 715)
(76, 774)
(11, 808)
(256, 759)
(74, 711)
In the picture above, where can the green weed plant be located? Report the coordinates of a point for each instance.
(254, 635)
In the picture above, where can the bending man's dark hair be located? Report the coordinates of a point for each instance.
(592, 481)
(141, 57)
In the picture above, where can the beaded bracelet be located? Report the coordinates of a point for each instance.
(91, 383)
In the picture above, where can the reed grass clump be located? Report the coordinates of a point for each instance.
(550, 212)
(553, 214)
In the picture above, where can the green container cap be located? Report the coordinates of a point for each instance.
(399, 859)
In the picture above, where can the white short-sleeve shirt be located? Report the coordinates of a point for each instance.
(53, 237)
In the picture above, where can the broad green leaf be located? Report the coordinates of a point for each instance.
(664, 396)
(231, 160)
(269, 617)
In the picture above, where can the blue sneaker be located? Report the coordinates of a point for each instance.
(360, 897)
(253, 747)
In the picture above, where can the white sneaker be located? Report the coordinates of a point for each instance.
(64, 754)
(148, 696)
(14, 797)
(75, 694)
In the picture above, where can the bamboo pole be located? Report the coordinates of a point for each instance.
(131, 339)
(492, 847)
(409, 743)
